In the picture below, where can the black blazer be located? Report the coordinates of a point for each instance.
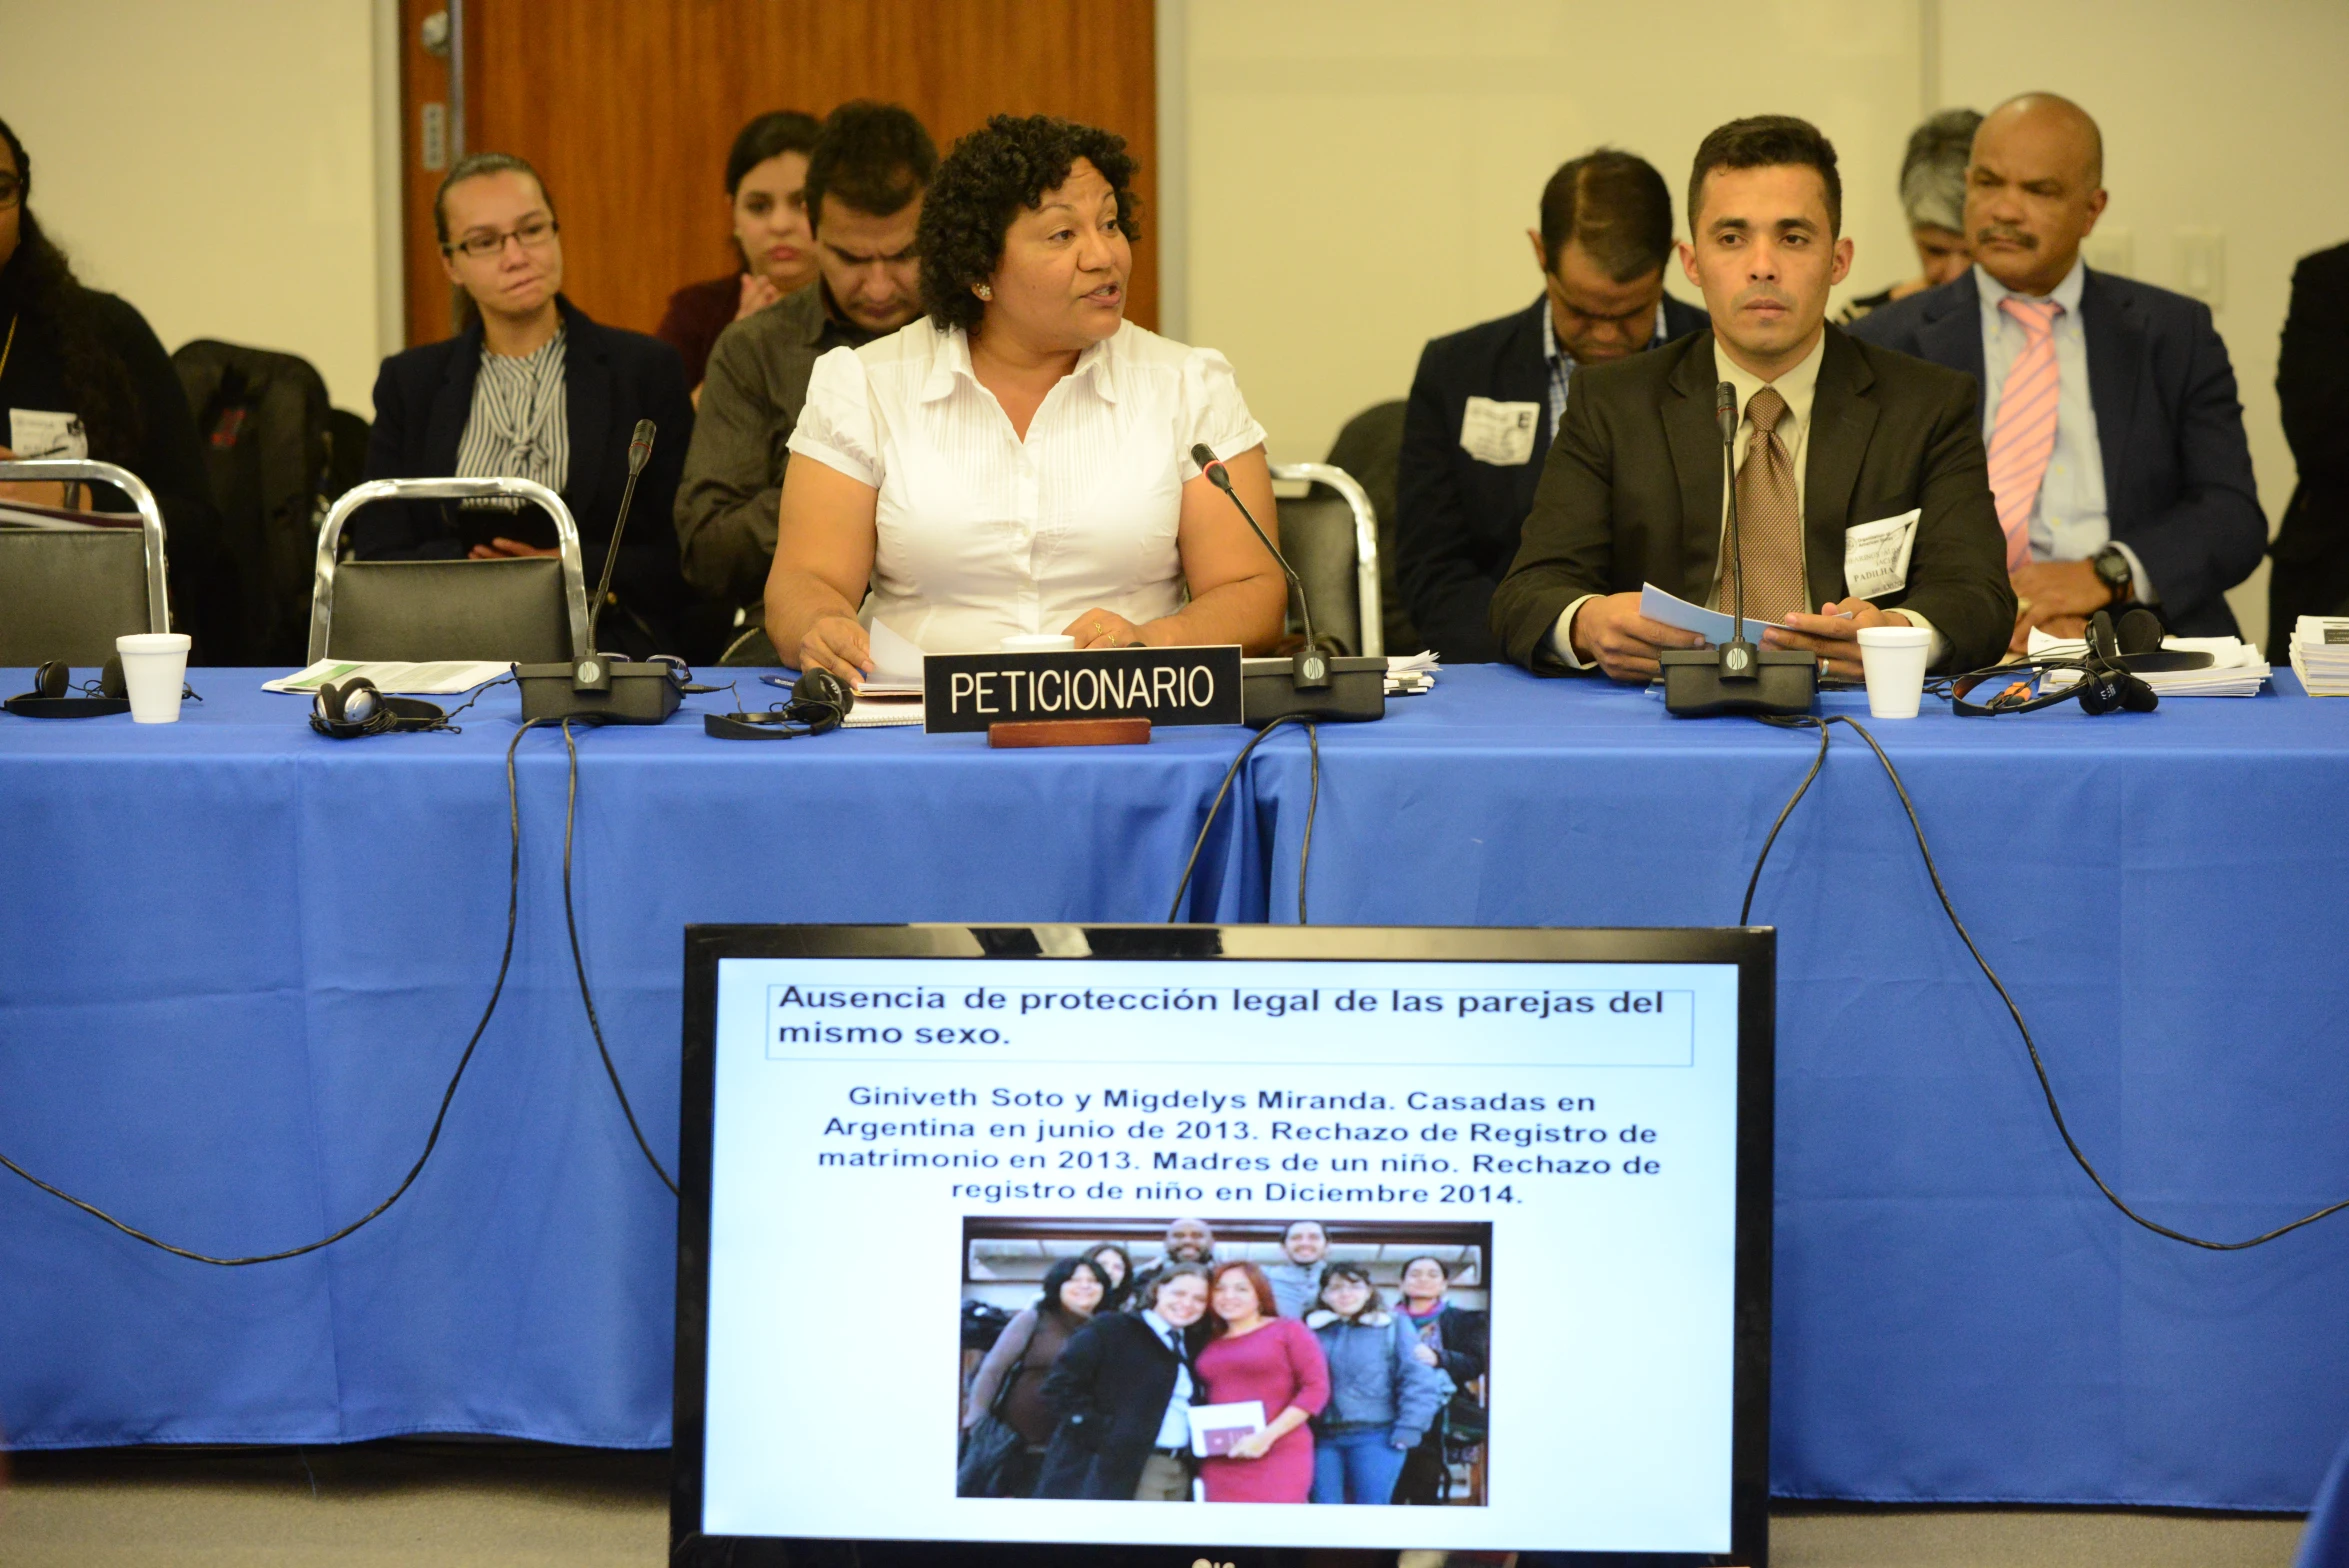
(2177, 469)
(1109, 1388)
(1632, 493)
(2311, 551)
(1457, 520)
(611, 379)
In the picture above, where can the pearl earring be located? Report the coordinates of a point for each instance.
(984, 291)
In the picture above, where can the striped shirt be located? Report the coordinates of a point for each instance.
(519, 427)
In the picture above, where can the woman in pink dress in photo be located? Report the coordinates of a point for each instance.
(1254, 1353)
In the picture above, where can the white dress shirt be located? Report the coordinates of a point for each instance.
(1174, 1428)
(2068, 523)
(981, 535)
(1799, 386)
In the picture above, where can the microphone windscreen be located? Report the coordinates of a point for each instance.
(640, 446)
(1204, 455)
(1725, 409)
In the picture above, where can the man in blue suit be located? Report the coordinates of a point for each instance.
(1486, 402)
(2116, 444)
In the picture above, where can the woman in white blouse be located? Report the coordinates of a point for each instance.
(1018, 461)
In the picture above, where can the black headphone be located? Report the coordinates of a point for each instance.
(818, 705)
(48, 700)
(2107, 682)
(356, 708)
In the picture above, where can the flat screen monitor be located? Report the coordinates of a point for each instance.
(1319, 1238)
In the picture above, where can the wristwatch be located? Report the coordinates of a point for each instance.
(2112, 569)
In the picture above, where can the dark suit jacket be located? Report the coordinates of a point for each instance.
(1109, 1387)
(1632, 493)
(2312, 382)
(611, 379)
(2177, 469)
(1457, 520)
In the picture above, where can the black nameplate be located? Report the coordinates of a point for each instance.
(969, 691)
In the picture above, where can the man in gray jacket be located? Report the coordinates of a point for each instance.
(1304, 1249)
(865, 182)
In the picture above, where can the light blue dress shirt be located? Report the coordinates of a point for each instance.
(2069, 521)
(1561, 363)
(1174, 1428)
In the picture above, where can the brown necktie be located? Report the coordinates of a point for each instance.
(1770, 519)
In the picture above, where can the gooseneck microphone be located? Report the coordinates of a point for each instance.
(1737, 659)
(1311, 664)
(594, 672)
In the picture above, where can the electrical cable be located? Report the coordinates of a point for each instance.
(579, 965)
(1175, 908)
(2038, 1065)
(432, 1139)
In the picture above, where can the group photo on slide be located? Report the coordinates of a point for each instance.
(1224, 1361)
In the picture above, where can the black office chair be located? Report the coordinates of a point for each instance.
(66, 592)
(530, 611)
(1330, 535)
(752, 649)
(1370, 448)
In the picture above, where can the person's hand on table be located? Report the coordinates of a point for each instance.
(1099, 628)
(837, 643)
(1610, 632)
(1254, 1446)
(758, 292)
(1833, 634)
(2057, 597)
(506, 550)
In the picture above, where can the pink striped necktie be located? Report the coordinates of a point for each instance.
(2023, 439)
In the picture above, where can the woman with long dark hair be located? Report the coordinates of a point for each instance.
(82, 375)
(1010, 1382)
(1253, 1353)
(766, 197)
(1117, 1266)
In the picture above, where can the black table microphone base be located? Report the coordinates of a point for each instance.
(1783, 682)
(1357, 691)
(633, 693)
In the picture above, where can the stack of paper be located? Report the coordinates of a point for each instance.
(1410, 674)
(442, 679)
(2320, 654)
(2235, 668)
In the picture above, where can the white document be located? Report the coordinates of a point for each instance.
(1711, 625)
(1215, 1428)
(897, 663)
(1876, 555)
(881, 710)
(442, 679)
(1499, 433)
(2235, 670)
(41, 432)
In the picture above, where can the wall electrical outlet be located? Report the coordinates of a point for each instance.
(2112, 250)
(2202, 265)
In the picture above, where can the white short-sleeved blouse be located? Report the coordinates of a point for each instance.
(983, 536)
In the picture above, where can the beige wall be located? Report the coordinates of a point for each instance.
(1362, 172)
(212, 164)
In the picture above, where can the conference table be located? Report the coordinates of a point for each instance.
(239, 961)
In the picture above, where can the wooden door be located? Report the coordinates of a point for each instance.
(628, 109)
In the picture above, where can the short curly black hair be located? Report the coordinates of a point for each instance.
(988, 177)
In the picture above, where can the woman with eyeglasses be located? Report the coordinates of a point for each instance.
(533, 389)
(82, 376)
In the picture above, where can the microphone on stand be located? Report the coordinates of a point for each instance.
(1311, 665)
(595, 671)
(1737, 658)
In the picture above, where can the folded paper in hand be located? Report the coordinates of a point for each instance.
(1711, 625)
(1215, 1428)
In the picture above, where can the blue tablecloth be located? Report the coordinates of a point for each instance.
(238, 961)
(1959, 1315)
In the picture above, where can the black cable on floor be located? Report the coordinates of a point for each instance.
(1312, 734)
(505, 961)
(2038, 1066)
(579, 965)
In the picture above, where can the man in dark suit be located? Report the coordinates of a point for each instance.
(1837, 443)
(1123, 1387)
(2311, 551)
(2115, 436)
(561, 397)
(1486, 402)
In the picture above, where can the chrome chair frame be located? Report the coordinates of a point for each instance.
(1369, 612)
(330, 533)
(35, 469)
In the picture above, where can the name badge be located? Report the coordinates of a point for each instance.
(1876, 556)
(1499, 433)
(962, 692)
(39, 432)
